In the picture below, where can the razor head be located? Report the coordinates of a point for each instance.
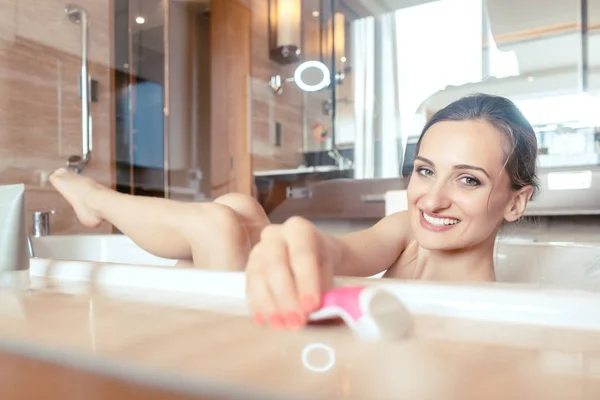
(372, 313)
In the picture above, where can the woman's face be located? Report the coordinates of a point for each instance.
(459, 191)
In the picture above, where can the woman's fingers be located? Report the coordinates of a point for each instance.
(259, 297)
(284, 273)
(281, 283)
(304, 258)
(271, 286)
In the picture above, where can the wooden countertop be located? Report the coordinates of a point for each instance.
(215, 354)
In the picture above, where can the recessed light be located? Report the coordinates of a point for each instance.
(140, 20)
(315, 14)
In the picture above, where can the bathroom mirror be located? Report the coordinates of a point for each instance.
(310, 76)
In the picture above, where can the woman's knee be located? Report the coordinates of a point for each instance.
(207, 221)
(217, 238)
(248, 209)
(242, 204)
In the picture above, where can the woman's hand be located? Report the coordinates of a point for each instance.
(288, 271)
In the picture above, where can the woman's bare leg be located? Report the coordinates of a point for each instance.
(217, 235)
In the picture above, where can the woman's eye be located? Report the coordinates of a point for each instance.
(424, 171)
(470, 181)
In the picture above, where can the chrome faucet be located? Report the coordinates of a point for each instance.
(41, 223)
(41, 227)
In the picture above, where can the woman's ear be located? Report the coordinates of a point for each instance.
(518, 203)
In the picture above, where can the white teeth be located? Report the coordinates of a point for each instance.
(440, 221)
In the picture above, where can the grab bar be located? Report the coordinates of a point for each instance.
(77, 163)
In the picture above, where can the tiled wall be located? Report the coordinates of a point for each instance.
(40, 109)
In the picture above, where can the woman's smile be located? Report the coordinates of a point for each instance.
(437, 223)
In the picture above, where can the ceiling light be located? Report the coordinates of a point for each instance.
(140, 20)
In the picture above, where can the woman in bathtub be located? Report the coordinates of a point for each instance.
(475, 170)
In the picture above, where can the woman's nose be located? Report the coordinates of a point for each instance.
(436, 199)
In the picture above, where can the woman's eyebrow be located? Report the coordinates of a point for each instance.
(460, 166)
(465, 166)
(425, 160)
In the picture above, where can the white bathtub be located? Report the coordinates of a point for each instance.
(105, 262)
(560, 264)
(569, 265)
(529, 305)
(98, 248)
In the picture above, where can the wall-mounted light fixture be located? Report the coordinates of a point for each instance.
(285, 30)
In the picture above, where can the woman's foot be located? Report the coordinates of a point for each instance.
(81, 193)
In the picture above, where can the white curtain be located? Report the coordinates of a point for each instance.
(388, 104)
(363, 70)
(376, 97)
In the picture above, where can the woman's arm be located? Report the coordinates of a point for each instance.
(293, 264)
(371, 251)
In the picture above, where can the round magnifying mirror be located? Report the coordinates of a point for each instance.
(312, 76)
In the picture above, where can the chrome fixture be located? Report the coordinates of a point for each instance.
(276, 83)
(41, 223)
(30, 244)
(77, 163)
(584, 65)
(41, 227)
(342, 162)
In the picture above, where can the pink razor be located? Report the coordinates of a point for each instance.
(370, 311)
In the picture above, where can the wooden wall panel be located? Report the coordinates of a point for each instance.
(268, 108)
(231, 167)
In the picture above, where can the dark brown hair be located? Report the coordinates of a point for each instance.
(505, 116)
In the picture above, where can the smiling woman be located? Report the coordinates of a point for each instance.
(475, 169)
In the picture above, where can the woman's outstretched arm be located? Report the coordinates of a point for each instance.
(373, 250)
